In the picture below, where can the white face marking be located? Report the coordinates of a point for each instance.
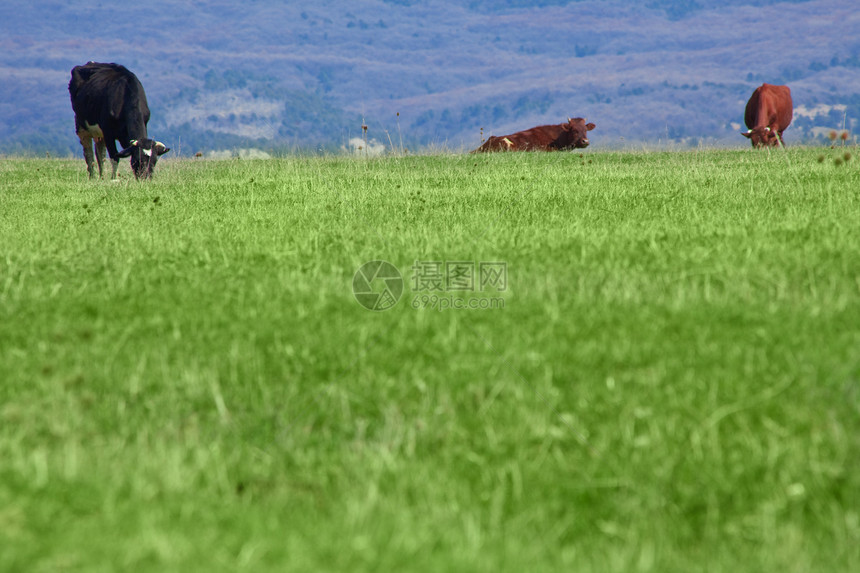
(147, 152)
(94, 130)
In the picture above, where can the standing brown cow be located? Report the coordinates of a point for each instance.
(570, 135)
(767, 114)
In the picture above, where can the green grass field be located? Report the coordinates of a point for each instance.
(671, 381)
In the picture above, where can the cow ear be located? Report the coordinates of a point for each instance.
(160, 148)
(747, 134)
(589, 126)
(127, 151)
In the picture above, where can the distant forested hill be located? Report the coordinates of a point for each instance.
(266, 74)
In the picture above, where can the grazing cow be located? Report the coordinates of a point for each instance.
(570, 135)
(110, 105)
(767, 114)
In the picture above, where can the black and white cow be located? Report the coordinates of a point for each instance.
(110, 105)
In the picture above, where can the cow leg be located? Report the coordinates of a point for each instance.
(100, 155)
(87, 144)
(779, 139)
(110, 141)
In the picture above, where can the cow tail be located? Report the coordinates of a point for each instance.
(77, 80)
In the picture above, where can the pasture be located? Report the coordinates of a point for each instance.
(672, 382)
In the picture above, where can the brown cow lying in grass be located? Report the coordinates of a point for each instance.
(570, 135)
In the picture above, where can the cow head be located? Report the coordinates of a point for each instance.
(574, 134)
(144, 154)
(762, 137)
